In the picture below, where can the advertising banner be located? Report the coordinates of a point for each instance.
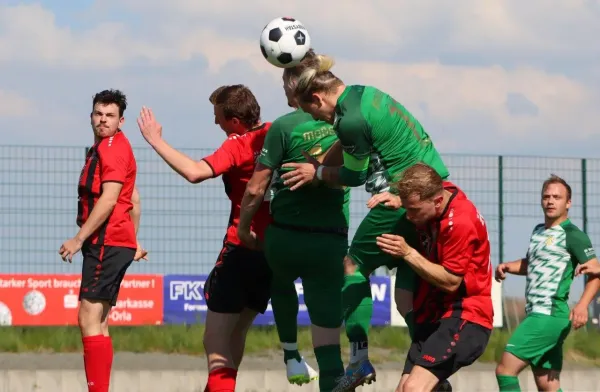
(184, 301)
(53, 300)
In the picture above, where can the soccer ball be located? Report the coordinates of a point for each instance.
(34, 302)
(5, 315)
(284, 42)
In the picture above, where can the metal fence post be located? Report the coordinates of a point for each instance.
(584, 213)
(501, 233)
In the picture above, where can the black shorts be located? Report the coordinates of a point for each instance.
(103, 270)
(446, 346)
(240, 279)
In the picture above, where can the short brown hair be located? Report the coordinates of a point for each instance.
(554, 179)
(421, 180)
(213, 95)
(239, 102)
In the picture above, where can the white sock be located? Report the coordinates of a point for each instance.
(359, 351)
(289, 346)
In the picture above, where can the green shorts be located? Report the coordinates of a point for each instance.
(539, 340)
(317, 259)
(367, 255)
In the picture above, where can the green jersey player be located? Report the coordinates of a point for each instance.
(556, 248)
(307, 239)
(380, 138)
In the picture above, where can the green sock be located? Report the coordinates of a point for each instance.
(331, 367)
(284, 301)
(508, 383)
(410, 324)
(358, 310)
(559, 390)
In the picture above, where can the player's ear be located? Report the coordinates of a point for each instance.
(316, 99)
(121, 121)
(437, 200)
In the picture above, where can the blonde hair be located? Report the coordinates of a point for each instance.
(421, 180)
(312, 75)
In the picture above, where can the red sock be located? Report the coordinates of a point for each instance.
(109, 357)
(221, 380)
(94, 359)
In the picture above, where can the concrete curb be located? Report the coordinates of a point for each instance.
(256, 381)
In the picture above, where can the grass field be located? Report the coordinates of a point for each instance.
(386, 344)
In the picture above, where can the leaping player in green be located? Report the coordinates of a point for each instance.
(379, 138)
(556, 249)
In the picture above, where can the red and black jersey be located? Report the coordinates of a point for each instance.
(458, 240)
(109, 160)
(235, 161)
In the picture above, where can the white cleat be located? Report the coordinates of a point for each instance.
(299, 372)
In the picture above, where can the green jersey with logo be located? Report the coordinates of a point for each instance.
(310, 205)
(552, 256)
(372, 125)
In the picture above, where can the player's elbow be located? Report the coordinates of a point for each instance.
(255, 190)
(196, 176)
(452, 284)
(135, 198)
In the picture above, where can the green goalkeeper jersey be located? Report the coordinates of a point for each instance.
(552, 256)
(310, 205)
(379, 135)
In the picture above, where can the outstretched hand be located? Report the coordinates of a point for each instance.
(303, 173)
(151, 130)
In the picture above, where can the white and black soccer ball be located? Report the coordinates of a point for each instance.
(284, 42)
(34, 302)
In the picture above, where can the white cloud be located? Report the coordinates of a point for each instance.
(13, 104)
(451, 92)
(365, 39)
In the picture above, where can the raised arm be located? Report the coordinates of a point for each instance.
(193, 171)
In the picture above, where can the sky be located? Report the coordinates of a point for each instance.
(495, 77)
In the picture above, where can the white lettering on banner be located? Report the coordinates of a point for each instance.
(138, 284)
(66, 284)
(189, 290)
(129, 303)
(187, 307)
(36, 284)
(12, 283)
(120, 315)
(379, 291)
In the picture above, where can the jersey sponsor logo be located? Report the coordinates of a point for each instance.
(589, 252)
(318, 133)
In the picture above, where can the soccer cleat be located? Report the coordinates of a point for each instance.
(299, 372)
(356, 375)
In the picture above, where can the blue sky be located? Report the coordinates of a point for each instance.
(510, 77)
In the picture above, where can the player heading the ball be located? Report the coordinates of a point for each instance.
(380, 138)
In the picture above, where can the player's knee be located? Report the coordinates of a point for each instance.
(323, 336)
(90, 316)
(217, 335)
(412, 384)
(502, 370)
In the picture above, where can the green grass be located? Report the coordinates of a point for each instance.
(386, 344)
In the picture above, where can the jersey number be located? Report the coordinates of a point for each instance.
(395, 110)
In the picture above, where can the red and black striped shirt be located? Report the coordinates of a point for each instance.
(458, 241)
(109, 160)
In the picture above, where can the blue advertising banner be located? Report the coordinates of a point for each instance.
(184, 301)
